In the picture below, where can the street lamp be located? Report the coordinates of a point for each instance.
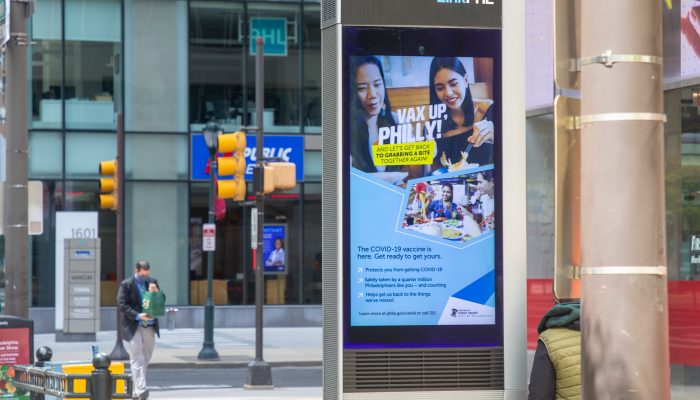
(211, 133)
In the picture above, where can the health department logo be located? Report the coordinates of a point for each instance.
(464, 313)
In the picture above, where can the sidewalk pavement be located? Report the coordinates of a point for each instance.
(178, 348)
(216, 394)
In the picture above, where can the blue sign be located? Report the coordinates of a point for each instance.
(288, 148)
(82, 253)
(274, 34)
(274, 249)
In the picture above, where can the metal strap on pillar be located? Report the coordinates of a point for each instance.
(624, 270)
(629, 116)
(608, 59)
(19, 39)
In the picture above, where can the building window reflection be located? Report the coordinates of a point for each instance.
(282, 64)
(216, 64)
(92, 59)
(79, 51)
(46, 68)
(311, 113)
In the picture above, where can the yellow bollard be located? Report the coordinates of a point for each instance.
(80, 385)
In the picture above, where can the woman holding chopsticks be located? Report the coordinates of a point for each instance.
(462, 140)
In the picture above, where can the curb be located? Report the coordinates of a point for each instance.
(218, 364)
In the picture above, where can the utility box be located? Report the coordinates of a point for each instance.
(81, 295)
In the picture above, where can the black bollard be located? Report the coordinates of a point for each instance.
(43, 355)
(101, 379)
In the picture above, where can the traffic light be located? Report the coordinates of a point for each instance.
(108, 185)
(279, 175)
(232, 165)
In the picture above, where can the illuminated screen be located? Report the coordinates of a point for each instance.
(421, 126)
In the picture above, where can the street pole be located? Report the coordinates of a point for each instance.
(625, 345)
(119, 352)
(16, 207)
(259, 374)
(208, 351)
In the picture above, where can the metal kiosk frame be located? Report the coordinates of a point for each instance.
(342, 366)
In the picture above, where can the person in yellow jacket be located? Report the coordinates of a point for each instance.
(556, 370)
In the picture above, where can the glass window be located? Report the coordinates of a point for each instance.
(156, 230)
(156, 156)
(311, 114)
(46, 67)
(155, 40)
(683, 184)
(83, 196)
(42, 250)
(282, 69)
(284, 288)
(216, 64)
(84, 151)
(312, 165)
(682, 157)
(93, 58)
(313, 257)
(232, 280)
(234, 276)
(540, 196)
(45, 155)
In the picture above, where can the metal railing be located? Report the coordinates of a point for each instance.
(101, 384)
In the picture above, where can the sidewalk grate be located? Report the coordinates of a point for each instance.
(191, 338)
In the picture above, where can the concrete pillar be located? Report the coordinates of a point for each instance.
(624, 293)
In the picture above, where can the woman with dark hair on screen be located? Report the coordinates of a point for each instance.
(370, 110)
(466, 137)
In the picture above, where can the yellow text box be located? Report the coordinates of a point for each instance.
(417, 153)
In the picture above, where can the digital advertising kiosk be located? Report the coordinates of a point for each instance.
(424, 213)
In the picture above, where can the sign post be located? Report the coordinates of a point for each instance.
(209, 237)
(254, 228)
(259, 373)
(15, 131)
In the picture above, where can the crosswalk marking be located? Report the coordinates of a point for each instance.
(189, 338)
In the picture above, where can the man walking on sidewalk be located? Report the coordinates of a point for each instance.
(137, 328)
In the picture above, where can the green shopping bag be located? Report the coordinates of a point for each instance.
(154, 304)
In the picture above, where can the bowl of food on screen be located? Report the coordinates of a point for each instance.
(452, 234)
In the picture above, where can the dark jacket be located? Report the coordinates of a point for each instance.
(543, 377)
(129, 303)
